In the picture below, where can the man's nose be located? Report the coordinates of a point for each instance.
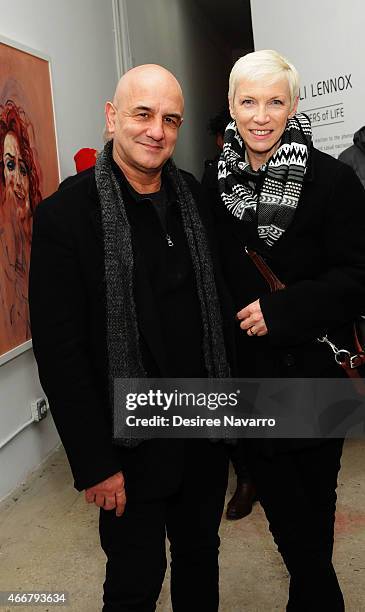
(156, 128)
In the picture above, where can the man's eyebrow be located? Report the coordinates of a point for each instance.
(144, 108)
(149, 109)
(176, 115)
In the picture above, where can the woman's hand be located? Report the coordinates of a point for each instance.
(252, 320)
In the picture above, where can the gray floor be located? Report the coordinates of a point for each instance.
(49, 541)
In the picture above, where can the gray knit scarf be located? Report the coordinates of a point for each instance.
(284, 174)
(123, 345)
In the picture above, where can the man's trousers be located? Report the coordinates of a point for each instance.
(189, 514)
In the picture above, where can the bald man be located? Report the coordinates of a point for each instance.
(122, 285)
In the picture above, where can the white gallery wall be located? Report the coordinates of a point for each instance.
(79, 39)
(177, 35)
(325, 41)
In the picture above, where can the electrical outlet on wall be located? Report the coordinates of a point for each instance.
(39, 408)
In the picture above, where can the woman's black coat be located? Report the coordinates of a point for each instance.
(321, 259)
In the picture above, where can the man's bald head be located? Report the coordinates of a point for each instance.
(150, 75)
(144, 119)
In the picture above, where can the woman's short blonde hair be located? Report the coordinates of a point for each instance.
(268, 66)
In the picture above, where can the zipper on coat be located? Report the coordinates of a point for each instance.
(169, 241)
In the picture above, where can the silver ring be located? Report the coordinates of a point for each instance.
(252, 333)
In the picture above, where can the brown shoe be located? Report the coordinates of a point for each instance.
(241, 503)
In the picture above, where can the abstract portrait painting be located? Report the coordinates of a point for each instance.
(29, 172)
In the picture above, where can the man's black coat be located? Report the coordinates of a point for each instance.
(67, 303)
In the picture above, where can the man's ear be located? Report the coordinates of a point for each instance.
(295, 108)
(110, 114)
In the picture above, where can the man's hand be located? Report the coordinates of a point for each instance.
(252, 320)
(108, 494)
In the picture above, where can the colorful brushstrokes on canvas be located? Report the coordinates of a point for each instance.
(28, 173)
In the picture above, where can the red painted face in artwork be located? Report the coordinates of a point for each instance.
(16, 176)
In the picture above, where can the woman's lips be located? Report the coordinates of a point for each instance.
(261, 134)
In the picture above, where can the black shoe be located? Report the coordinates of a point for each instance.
(241, 503)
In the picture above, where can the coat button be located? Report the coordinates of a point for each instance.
(289, 360)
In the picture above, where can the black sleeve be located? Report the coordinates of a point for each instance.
(57, 312)
(308, 308)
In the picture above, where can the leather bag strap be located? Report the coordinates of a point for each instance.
(272, 280)
(349, 364)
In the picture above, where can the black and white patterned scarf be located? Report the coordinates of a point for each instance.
(284, 174)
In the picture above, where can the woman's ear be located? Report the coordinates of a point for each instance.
(231, 111)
